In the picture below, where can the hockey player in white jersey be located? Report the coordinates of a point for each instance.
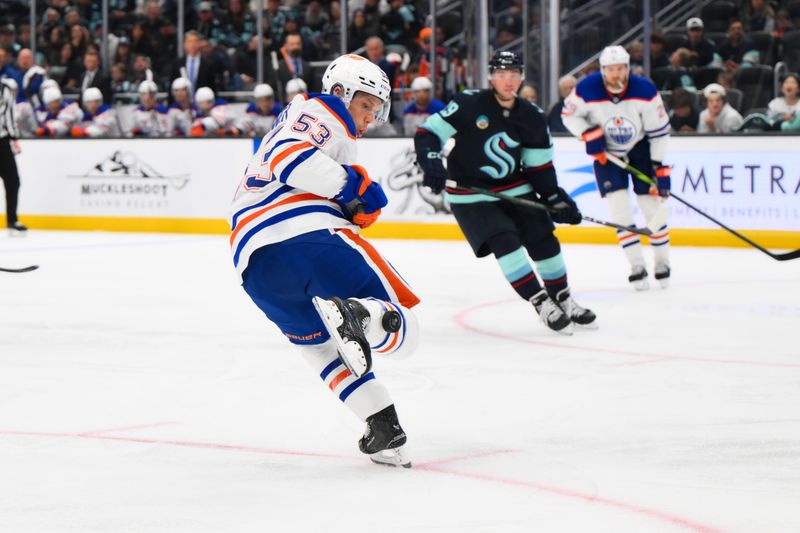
(296, 245)
(149, 117)
(99, 119)
(58, 115)
(214, 116)
(182, 112)
(261, 113)
(616, 112)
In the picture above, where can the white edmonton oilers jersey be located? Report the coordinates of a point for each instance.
(626, 118)
(287, 186)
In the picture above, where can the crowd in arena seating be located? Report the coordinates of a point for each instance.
(711, 81)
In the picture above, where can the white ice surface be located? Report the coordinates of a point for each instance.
(141, 391)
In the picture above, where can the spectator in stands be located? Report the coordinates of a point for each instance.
(528, 92)
(239, 26)
(139, 43)
(358, 33)
(718, 116)
(123, 53)
(636, 53)
(246, 64)
(120, 13)
(24, 61)
(727, 80)
(65, 64)
(72, 18)
(683, 115)
(759, 16)
(199, 70)
(138, 73)
(423, 57)
(91, 76)
(292, 65)
(8, 39)
(398, 24)
(207, 23)
(6, 68)
(153, 25)
(376, 54)
(681, 61)
(277, 22)
(372, 14)
(79, 39)
(698, 43)
(331, 34)
(731, 51)
(309, 48)
(786, 106)
(119, 78)
(565, 86)
(55, 40)
(658, 51)
(423, 106)
(783, 23)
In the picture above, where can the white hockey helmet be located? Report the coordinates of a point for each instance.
(92, 94)
(51, 94)
(263, 90)
(148, 85)
(296, 85)
(614, 55)
(352, 73)
(421, 83)
(204, 94)
(181, 83)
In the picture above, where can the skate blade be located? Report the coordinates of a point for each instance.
(664, 283)
(15, 234)
(391, 457)
(566, 331)
(350, 352)
(641, 285)
(591, 325)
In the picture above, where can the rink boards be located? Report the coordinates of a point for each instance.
(186, 185)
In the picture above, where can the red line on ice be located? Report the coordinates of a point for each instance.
(461, 320)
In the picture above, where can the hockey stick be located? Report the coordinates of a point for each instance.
(541, 207)
(644, 177)
(19, 270)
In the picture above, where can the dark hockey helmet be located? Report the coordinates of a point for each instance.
(505, 60)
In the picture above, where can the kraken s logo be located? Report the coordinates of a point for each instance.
(495, 151)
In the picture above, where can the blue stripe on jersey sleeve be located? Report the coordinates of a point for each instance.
(282, 190)
(287, 172)
(274, 146)
(280, 218)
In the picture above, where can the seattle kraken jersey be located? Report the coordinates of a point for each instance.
(495, 148)
(626, 118)
(287, 187)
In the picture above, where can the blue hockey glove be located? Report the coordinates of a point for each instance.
(564, 210)
(595, 140)
(663, 181)
(362, 197)
(434, 173)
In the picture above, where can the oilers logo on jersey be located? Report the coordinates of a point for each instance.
(620, 129)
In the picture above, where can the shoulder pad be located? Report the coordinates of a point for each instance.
(251, 108)
(161, 108)
(591, 88)
(640, 88)
(337, 108)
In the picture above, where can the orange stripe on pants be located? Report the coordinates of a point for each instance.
(404, 294)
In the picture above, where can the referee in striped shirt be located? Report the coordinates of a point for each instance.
(8, 150)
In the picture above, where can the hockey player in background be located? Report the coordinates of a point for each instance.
(214, 117)
(296, 245)
(615, 111)
(149, 117)
(502, 144)
(261, 112)
(58, 115)
(182, 111)
(99, 119)
(423, 106)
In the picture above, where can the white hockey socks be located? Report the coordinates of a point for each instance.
(386, 337)
(649, 205)
(364, 396)
(619, 207)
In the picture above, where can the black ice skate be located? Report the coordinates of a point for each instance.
(346, 321)
(577, 314)
(383, 439)
(638, 278)
(17, 229)
(551, 314)
(662, 274)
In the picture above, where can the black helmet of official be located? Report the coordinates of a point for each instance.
(505, 60)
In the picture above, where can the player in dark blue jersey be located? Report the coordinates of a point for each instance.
(502, 143)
